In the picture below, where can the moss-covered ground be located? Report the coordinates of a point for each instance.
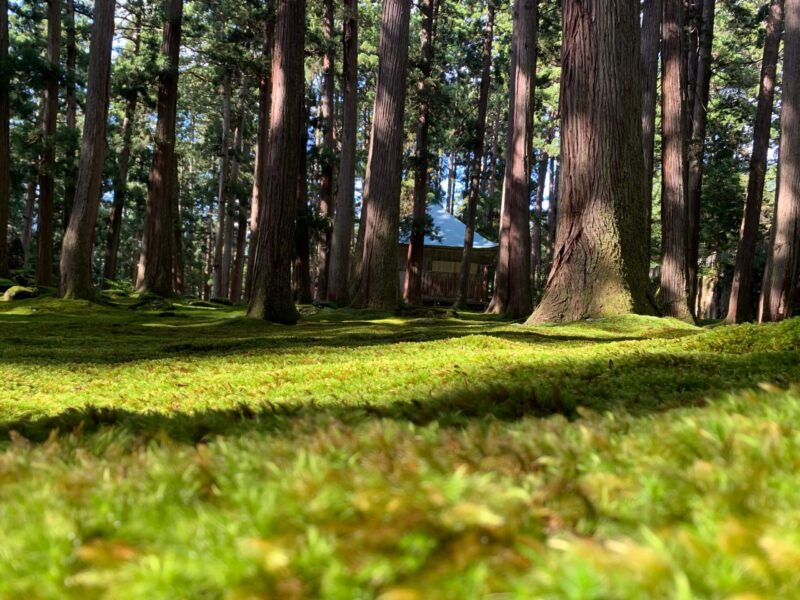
(193, 453)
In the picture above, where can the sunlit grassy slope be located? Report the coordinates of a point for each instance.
(192, 453)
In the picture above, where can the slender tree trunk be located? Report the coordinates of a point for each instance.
(451, 182)
(378, 284)
(477, 159)
(259, 171)
(536, 226)
(301, 282)
(71, 169)
(328, 122)
(691, 49)
(5, 142)
(674, 213)
(178, 269)
(220, 287)
(552, 211)
(121, 176)
(783, 262)
(272, 280)
(651, 45)
(698, 143)
(44, 262)
(741, 302)
(238, 264)
(338, 282)
(76, 249)
(601, 257)
(155, 264)
(230, 213)
(412, 291)
(27, 217)
(512, 289)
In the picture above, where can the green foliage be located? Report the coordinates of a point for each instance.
(365, 455)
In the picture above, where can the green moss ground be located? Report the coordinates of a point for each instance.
(193, 453)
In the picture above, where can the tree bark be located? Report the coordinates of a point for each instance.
(342, 238)
(178, 270)
(451, 181)
(272, 280)
(412, 290)
(259, 171)
(220, 279)
(378, 284)
(121, 176)
(44, 262)
(783, 262)
(155, 264)
(651, 44)
(477, 160)
(674, 212)
(741, 304)
(71, 168)
(301, 282)
(76, 249)
(601, 259)
(536, 225)
(328, 122)
(698, 143)
(5, 142)
(27, 217)
(512, 289)
(231, 200)
(552, 211)
(238, 264)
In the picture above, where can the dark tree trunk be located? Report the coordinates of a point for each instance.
(783, 262)
(121, 176)
(412, 291)
(451, 182)
(155, 264)
(338, 280)
(44, 262)
(5, 143)
(76, 249)
(328, 122)
(378, 273)
(741, 303)
(536, 226)
(178, 270)
(552, 211)
(71, 168)
(272, 279)
(259, 171)
(512, 289)
(674, 213)
(301, 282)
(231, 201)
(651, 45)
(698, 143)
(477, 159)
(601, 257)
(238, 264)
(220, 278)
(691, 49)
(27, 218)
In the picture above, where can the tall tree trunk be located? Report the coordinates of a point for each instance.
(5, 142)
(601, 257)
(698, 143)
(451, 181)
(71, 170)
(412, 291)
(338, 281)
(512, 289)
(27, 217)
(220, 281)
(740, 308)
(238, 264)
(378, 284)
(264, 109)
(272, 281)
(536, 226)
(552, 211)
(155, 264)
(328, 122)
(783, 262)
(230, 213)
(691, 50)
(674, 213)
(178, 270)
(76, 249)
(44, 262)
(301, 282)
(651, 45)
(477, 159)
(121, 176)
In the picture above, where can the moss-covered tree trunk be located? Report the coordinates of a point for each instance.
(76, 249)
(412, 290)
(674, 296)
(342, 237)
(377, 281)
(741, 304)
(5, 142)
(477, 159)
(271, 298)
(601, 259)
(155, 263)
(783, 262)
(512, 286)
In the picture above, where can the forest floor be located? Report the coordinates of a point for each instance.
(193, 453)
